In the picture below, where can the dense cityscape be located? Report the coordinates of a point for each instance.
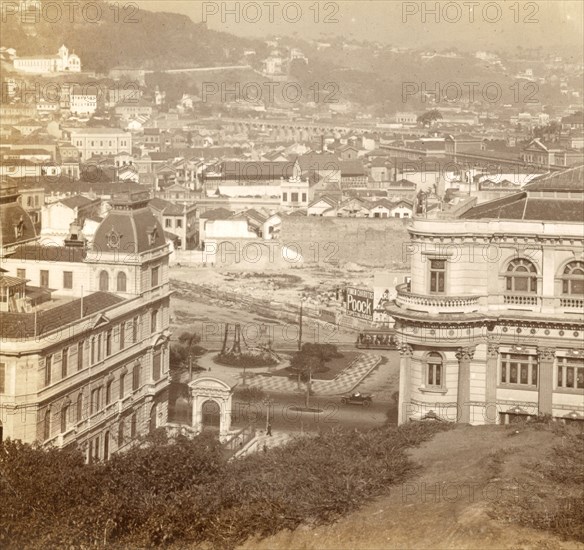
(257, 290)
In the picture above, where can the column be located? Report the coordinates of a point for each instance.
(490, 412)
(464, 356)
(197, 413)
(545, 382)
(405, 365)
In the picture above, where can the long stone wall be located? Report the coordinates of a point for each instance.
(375, 242)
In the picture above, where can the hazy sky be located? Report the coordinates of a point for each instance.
(496, 24)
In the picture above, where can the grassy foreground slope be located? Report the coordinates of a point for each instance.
(477, 487)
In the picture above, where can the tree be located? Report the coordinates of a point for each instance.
(549, 132)
(305, 365)
(310, 360)
(183, 351)
(429, 117)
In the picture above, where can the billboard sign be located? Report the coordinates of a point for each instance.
(359, 303)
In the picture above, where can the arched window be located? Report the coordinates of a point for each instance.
(121, 282)
(64, 418)
(104, 281)
(573, 278)
(521, 276)
(434, 370)
(47, 426)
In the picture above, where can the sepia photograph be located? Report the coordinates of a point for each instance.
(292, 275)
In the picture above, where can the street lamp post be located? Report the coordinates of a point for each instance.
(267, 403)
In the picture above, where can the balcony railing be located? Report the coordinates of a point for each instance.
(572, 303)
(436, 304)
(521, 299)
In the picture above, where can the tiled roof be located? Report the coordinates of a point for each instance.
(256, 170)
(38, 253)
(558, 197)
(216, 214)
(7, 282)
(77, 201)
(254, 214)
(567, 180)
(352, 168)
(98, 131)
(15, 224)
(22, 325)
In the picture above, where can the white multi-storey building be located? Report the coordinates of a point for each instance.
(100, 141)
(492, 323)
(84, 356)
(60, 63)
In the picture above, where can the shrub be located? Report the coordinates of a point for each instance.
(185, 493)
(245, 360)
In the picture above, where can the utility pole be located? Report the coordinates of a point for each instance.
(300, 329)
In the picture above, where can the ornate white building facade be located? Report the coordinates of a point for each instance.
(492, 324)
(63, 62)
(84, 357)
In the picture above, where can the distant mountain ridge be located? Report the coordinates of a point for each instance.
(144, 39)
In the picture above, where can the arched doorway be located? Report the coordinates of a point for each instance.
(211, 398)
(211, 415)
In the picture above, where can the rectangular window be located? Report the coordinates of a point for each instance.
(67, 279)
(293, 197)
(303, 197)
(44, 278)
(285, 197)
(154, 321)
(179, 224)
(122, 335)
(64, 362)
(168, 223)
(156, 366)
(108, 343)
(154, 276)
(434, 375)
(2, 378)
(99, 346)
(108, 393)
(136, 378)
(48, 369)
(21, 273)
(135, 330)
(437, 275)
(122, 385)
(80, 355)
(519, 369)
(94, 401)
(570, 373)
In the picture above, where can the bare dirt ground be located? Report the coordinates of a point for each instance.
(465, 474)
(273, 284)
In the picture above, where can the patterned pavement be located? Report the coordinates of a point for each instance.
(345, 381)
